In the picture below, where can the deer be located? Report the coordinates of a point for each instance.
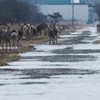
(50, 33)
(16, 32)
(27, 30)
(41, 27)
(17, 27)
(33, 30)
(53, 32)
(15, 37)
(5, 36)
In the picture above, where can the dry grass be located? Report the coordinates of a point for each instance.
(77, 24)
(96, 42)
(24, 47)
(4, 58)
(72, 30)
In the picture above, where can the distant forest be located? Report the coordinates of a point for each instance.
(20, 11)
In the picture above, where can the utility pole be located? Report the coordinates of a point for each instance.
(73, 13)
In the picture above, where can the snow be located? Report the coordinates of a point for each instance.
(59, 87)
(87, 46)
(49, 47)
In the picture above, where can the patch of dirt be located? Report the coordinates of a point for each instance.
(24, 47)
(4, 58)
(96, 42)
(3, 63)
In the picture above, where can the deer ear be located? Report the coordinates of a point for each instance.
(51, 21)
(8, 24)
(55, 21)
(11, 23)
(5, 23)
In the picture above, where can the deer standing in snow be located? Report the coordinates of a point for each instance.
(5, 36)
(16, 34)
(53, 32)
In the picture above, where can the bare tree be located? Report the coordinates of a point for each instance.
(55, 16)
(20, 11)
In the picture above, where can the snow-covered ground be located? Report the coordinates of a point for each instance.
(65, 87)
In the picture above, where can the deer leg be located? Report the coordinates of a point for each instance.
(18, 44)
(53, 39)
(6, 46)
(45, 33)
(2, 45)
(35, 34)
(56, 39)
(50, 40)
(29, 36)
(40, 33)
(26, 36)
(10, 45)
(14, 46)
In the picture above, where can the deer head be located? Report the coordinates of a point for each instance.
(53, 23)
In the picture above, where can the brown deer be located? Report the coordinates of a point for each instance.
(53, 32)
(5, 36)
(17, 27)
(33, 30)
(16, 32)
(15, 37)
(41, 27)
(27, 30)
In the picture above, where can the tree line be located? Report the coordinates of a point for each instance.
(20, 11)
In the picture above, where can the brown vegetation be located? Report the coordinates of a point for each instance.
(96, 42)
(24, 47)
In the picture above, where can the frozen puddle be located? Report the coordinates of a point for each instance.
(68, 71)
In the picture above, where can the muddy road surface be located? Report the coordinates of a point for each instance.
(66, 71)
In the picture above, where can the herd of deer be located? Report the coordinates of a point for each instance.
(14, 33)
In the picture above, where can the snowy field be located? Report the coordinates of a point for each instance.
(15, 86)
